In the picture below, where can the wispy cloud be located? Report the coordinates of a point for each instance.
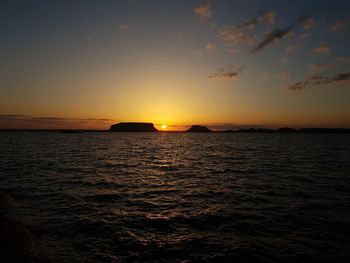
(321, 49)
(344, 59)
(204, 13)
(341, 25)
(203, 10)
(227, 73)
(233, 36)
(250, 24)
(272, 36)
(238, 35)
(284, 75)
(321, 66)
(296, 86)
(210, 47)
(268, 17)
(315, 80)
(49, 119)
(12, 116)
(298, 43)
(309, 23)
(303, 36)
(290, 49)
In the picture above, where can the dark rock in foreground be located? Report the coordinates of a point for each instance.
(16, 242)
(197, 128)
(133, 127)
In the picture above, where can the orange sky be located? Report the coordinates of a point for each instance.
(179, 63)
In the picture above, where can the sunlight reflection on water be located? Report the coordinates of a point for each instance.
(101, 197)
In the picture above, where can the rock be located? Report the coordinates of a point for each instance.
(286, 130)
(133, 127)
(16, 242)
(256, 130)
(324, 130)
(198, 128)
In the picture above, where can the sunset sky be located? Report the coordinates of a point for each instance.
(224, 64)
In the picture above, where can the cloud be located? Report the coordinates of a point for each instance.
(210, 47)
(290, 49)
(239, 35)
(299, 43)
(268, 17)
(319, 67)
(341, 25)
(277, 34)
(296, 86)
(342, 77)
(284, 75)
(231, 36)
(12, 116)
(344, 60)
(227, 73)
(318, 79)
(322, 49)
(309, 23)
(13, 121)
(123, 28)
(304, 36)
(203, 11)
(49, 119)
(272, 36)
(250, 24)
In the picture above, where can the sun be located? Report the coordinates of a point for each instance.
(164, 126)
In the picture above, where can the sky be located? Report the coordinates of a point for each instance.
(224, 64)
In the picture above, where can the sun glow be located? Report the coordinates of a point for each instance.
(164, 126)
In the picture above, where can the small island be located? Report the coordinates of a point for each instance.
(198, 128)
(133, 127)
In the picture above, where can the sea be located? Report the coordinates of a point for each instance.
(180, 197)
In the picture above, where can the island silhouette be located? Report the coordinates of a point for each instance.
(133, 127)
(149, 127)
(198, 128)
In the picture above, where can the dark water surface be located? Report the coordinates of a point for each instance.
(125, 197)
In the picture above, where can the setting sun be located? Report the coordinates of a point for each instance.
(178, 130)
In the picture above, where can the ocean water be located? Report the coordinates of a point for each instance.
(177, 197)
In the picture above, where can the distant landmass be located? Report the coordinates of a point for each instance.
(290, 130)
(133, 127)
(149, 127)
(198, 128)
